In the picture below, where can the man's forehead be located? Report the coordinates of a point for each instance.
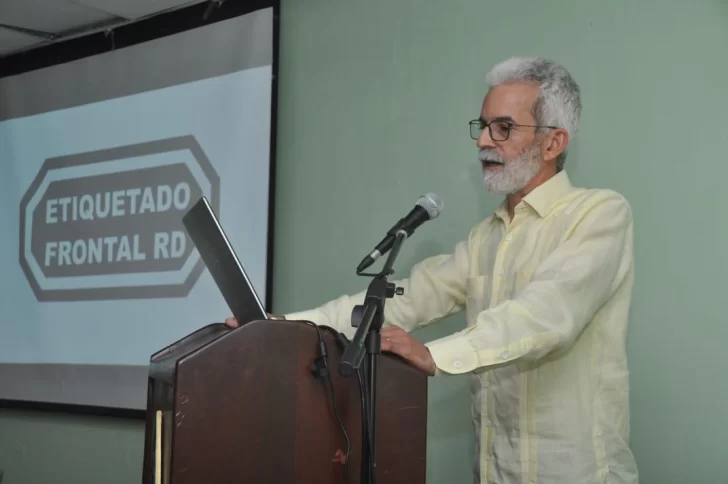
(513, 99)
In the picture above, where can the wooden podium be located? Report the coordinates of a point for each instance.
(243, 406)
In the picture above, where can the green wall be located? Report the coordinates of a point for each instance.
(374, 102)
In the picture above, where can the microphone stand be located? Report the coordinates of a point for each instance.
(368, 319)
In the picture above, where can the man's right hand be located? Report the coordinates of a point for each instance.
(233, 323)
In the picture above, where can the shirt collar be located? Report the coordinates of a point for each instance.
(543, 197)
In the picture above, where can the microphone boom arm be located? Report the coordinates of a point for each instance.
(373, 309)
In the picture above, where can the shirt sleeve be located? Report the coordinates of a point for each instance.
(434, 289)
(565, 292)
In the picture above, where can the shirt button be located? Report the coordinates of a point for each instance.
(505, 355)
(458, 363)
(500, 273)
(486, 384)
(509, 238)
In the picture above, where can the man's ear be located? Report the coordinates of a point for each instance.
(554, 143)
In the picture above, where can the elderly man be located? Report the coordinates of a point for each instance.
(546, 284)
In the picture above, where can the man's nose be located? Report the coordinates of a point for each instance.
(485, 140)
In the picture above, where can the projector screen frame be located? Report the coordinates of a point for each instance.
(127, 35)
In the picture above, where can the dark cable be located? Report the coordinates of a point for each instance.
(366, 434)
(321, 368)
(342, 341)
(343, 430)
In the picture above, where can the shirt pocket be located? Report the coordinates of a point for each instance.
(477, 297)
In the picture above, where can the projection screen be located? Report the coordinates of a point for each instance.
(101, 157)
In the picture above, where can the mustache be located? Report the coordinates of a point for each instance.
(491, 156)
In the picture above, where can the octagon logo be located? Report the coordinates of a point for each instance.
(108, 224)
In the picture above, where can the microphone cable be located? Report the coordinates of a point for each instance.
(365, 425)
(320, 368)
(342, 342)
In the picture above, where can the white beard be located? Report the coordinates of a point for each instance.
(514, 175)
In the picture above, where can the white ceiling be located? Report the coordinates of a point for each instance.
(63, 18)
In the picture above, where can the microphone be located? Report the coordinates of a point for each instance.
(427, 208)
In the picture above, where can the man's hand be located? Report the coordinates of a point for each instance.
(233, 323)
(398, 341)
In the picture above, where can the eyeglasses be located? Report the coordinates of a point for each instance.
(500, 129)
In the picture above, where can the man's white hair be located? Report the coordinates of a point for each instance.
(559, 103)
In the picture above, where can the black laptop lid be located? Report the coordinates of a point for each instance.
(222, 262)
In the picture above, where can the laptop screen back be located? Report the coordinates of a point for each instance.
(214, 247)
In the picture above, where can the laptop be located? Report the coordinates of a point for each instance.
(206, 233)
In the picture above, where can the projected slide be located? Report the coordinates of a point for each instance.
(97, 270)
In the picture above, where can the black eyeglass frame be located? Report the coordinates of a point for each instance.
(481, 124)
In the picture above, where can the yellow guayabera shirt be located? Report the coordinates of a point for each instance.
(547, 297)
